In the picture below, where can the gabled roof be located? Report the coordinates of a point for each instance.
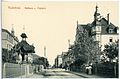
(84, 27)
(14, 37)
(105, 26)
(103, 22)
(81, 27)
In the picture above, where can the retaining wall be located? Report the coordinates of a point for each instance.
(10, 70)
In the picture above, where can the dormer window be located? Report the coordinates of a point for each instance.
(110, 30)
(110, 39)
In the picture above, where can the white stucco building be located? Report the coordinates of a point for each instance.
(8, 39)
(101, 30)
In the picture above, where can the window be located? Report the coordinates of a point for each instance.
(7, 46)
(98, 38)
(98, 28)
(7, 37)
(110, 40)
(93, 28)
(110, 30)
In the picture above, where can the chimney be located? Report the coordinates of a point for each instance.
(108, 18)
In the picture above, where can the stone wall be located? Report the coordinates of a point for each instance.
(10, 70)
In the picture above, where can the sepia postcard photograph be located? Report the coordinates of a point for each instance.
(60, 39)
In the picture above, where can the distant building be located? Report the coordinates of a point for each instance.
(101, 30)
(38, 65)
(64, 59)
(8, 39)
(58, 61)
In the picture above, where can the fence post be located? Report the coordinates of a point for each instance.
(28, 69)
(4, 70)
(96, 68)
(21, 70)
(115, 70)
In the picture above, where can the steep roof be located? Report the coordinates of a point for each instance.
(14, 37)
(105, 26)
(81, 27)
(84, 27)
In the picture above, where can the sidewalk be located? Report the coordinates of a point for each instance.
(34, 75)
(84, 75)
(24, 76)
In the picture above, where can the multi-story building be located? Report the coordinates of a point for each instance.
(101, 30)
(8, 39)
(64, 58)
(58, 61)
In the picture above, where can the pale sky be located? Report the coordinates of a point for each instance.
(54, 25)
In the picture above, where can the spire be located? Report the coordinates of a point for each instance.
(45, 51)
(23, 35)
(96, 8)
(77, 22)
(69, 42)
(12, 30)
(23, 28)
(96, 14)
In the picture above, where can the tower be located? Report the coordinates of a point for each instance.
(12, 30)
(45, 51)
(96, 14)
(69, 43)
(96, 29)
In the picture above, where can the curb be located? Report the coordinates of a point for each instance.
(24, 76)
(77, 74)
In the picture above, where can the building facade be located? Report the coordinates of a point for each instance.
(58, 61)
(8, 39)
(101, 30)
